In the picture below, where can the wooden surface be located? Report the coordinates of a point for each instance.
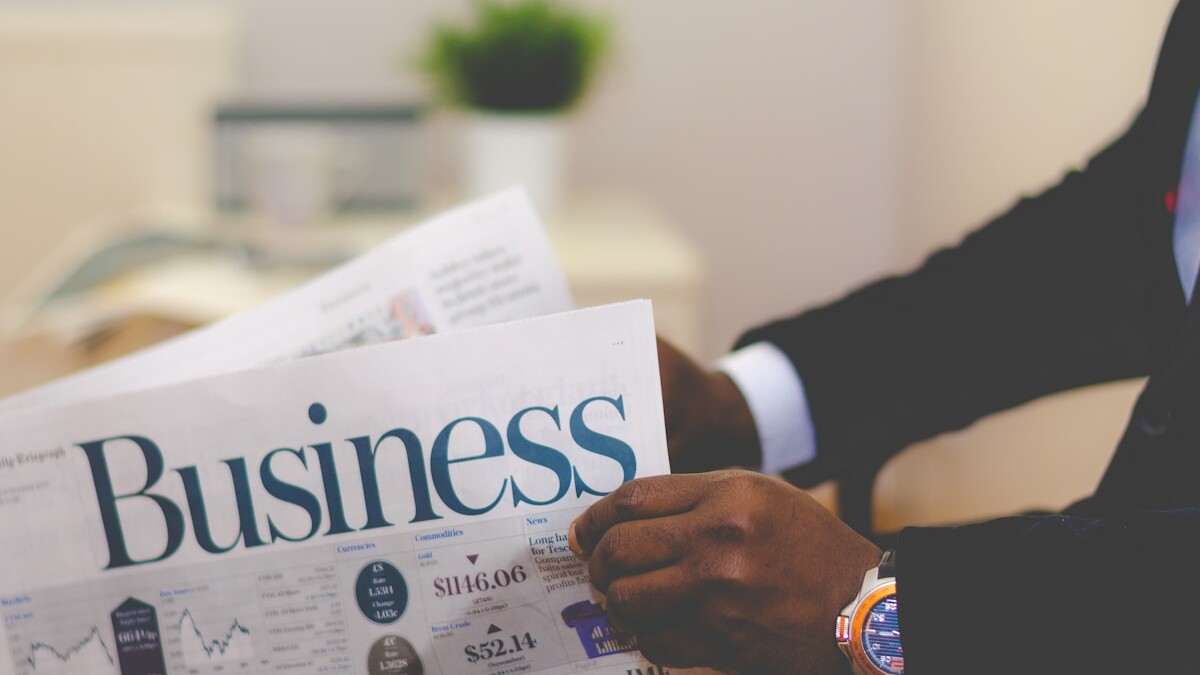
(28, 361)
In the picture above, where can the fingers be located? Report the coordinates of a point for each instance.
(678, 376)
(668, 354)
(650, 601)
(662, 607)
(635, 547)
(640, 499)
(683, 645)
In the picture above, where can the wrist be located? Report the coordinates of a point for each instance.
(868, 628)
(732, 421)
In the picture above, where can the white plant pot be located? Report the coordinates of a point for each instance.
(503, 150)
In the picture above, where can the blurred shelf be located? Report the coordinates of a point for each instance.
(612, 246)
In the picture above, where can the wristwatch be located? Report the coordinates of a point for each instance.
(868, 629)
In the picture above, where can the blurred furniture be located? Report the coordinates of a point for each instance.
(373, 149)
(105, 108)
(612, 247)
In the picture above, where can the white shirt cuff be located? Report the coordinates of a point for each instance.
(775, 394)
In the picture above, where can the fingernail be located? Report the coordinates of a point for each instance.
(573, 542)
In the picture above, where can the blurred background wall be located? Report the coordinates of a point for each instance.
(769, 130)
(101, 109)
(806, 146)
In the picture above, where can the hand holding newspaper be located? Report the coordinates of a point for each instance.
(396, 509)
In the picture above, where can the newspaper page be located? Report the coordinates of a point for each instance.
(399, 509)
(486, 262)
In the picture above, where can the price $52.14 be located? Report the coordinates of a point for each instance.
(494, 649)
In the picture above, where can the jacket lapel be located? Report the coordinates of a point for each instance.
(1181, 365)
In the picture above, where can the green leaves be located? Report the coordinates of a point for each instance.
(521, 56)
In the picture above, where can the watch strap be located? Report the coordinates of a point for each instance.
(887, 565)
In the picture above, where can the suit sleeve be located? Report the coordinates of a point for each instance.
(1052, 594)
(1049, 296)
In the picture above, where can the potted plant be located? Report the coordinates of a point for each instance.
(518, 69)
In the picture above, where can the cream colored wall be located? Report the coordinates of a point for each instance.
(1005, 96)
(104, 110)
(770, 130)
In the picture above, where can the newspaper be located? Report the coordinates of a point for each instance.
(396, 509)
(485, 262)
(218, 504)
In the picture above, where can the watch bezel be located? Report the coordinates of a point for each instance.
(858, 653)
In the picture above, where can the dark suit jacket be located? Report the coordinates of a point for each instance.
(1073, 287)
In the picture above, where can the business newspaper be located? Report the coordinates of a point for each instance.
(485, 262)
(399, 509)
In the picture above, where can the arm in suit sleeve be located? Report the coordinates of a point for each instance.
(1049, 296)
(1052, 594)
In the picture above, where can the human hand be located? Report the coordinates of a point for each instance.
(731, 570)
(709, 425)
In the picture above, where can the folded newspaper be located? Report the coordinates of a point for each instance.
(398, 509)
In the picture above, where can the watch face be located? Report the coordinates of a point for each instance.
(881, 637)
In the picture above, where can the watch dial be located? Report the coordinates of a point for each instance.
(881, 637)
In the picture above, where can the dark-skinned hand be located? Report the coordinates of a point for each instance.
(709, 425)
(730, 570)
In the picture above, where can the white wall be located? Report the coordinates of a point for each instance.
(103, 112)
(770, 131)
(1005, 96)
